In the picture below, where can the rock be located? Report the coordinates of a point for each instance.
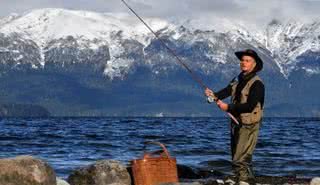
(104, 172)
(219, 181)
(26, 170)
(186, 172)
(61, 182)
(209, 173)
(315, 181)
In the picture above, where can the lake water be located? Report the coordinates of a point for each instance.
(286, 146)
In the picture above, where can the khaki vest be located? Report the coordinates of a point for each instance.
(254, 116)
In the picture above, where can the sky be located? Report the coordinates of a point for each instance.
(256, 11)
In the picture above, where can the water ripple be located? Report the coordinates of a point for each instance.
(287, 146)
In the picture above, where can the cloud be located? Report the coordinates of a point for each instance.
(274, 9)
(258, 11)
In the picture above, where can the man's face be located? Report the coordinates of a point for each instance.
(247, 64)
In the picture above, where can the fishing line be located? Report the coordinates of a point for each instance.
(194, 76)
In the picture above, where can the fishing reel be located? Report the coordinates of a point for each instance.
(211, 99)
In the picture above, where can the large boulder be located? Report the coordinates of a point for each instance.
(104, 172)
(26, 170)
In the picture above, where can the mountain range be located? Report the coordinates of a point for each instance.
(81, 63)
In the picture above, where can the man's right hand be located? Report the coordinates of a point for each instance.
(208, 92)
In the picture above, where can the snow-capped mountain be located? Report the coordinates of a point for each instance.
(290, 40)
(46, 28)
(44, 25)
(69, 45)
(8, 19)
(53, 29)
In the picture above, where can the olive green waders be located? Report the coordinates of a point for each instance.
(243, 142)
(244, 136)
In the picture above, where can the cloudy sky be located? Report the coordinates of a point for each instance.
(257, 11)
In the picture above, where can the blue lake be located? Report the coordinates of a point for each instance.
(286, 146)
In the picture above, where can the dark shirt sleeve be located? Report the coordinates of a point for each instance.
(224, 93)
(256, 94)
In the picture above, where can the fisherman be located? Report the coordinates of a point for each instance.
(247, 99)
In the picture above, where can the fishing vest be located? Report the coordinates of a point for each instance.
(251, 117)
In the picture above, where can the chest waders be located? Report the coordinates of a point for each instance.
(244, 136)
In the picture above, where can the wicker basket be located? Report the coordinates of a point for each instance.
(153, 170)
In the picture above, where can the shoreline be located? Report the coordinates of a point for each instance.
(31, 169)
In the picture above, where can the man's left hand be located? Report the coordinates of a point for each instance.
(223, 106)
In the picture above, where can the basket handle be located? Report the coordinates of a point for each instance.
(164, 149)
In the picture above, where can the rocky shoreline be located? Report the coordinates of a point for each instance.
(28, 170)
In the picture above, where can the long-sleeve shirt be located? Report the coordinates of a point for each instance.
(256, 94)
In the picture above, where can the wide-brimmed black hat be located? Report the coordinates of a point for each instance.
(253, 54)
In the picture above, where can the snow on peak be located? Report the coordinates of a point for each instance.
(8, 19)
(286, 40)
(43, 25)
(290, 39)
(117, 68)
(90, 29)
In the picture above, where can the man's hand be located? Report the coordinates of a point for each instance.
(223, 106)
(208, 92)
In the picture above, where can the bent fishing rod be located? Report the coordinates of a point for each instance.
(194, 76)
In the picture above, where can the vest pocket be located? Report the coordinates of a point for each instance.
(251, 118)
(246, 118)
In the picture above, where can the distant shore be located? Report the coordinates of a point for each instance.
(23, 110)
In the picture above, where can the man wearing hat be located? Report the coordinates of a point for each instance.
(247, 99)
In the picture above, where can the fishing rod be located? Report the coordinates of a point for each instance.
(212, 98)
